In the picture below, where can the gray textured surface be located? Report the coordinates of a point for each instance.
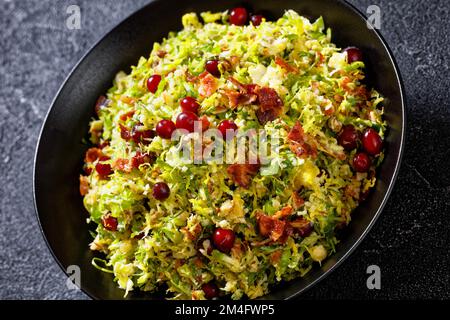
(410, 240)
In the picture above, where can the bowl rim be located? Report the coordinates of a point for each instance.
(356, 243)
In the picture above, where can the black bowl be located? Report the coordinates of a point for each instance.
(60, 149)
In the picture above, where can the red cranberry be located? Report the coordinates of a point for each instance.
(189, 104)
(103, 169)
(139, 135)
(161, 191)
(104, 144)
(109, 222)
(141, 158)
(238, 16)
(147, 136)
(153, 82)
(372, 142)
(186, 120)
(361, 162)
(227, 125)
(306, 230)
(125, 134)
(256, 19)
(165, 128)
(348, 138)
(212, 66)
(211, 290)
(223, 239)
(353, 54)
(100, 104)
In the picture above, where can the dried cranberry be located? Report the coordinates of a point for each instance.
(186, 120)
(211, 290)
(153, 83)
(100, 104)
(212, 66)
(227, 125)
(109, 222)
(125, 133)
(353, 54)
(165, 128)
(238, 16)
(348, 138)
(138, 134)
(256, 19)
(141, 158)
(372, 142)
(189, 104)
(161, 191)
(361, 162)
(223, 239)
(103, 169)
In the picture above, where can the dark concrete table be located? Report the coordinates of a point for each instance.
(410, 240)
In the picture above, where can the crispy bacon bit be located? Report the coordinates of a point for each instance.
(208, 84)
(234, 61)
(275, 229)
(270, 104)
(242, 87)
(84, 185)
(190, 77)
(101, 103)
(278, 229)
(265, 224)
(287, 232)
(302, 227)
(179, 263)
(362, 92)
(236, 98)
(92, 154)
(359, 91)
(344, 84)
(122, 165)
(237, 250)
(194, 233)
(125, 133)
(328, 110)
(243, 96)
(297, 200)
(276, 256)
(198, 262)
(242, 174)
(301, 144)
(282, 63)
(87, 169)
(320, 57)
(226, 65)
(284, 212)
(141, 158)
(127, 100)
(161, 53)
(127, 115)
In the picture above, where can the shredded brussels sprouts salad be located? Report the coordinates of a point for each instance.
(230, 225)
